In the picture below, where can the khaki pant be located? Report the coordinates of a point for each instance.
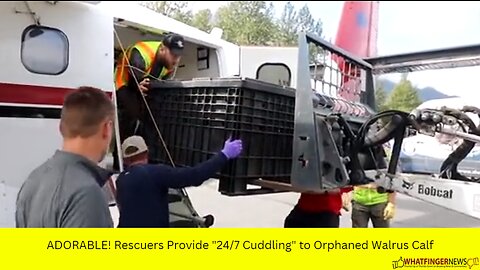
(362, 214)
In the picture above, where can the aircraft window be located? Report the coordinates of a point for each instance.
(44, 50)
(276, 73)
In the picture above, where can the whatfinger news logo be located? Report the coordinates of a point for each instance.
(435, 262)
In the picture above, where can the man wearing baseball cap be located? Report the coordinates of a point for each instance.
(142, 188)
(141, 63)
(175, 45)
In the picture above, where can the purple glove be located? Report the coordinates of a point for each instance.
(232, 149)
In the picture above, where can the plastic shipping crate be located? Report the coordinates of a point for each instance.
(196, 117)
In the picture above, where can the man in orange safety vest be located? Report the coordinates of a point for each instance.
(146, 61)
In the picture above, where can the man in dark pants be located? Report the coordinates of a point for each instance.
(317, 210)
(142, 188)
(143, 62)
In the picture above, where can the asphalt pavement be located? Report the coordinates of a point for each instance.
(270, 210)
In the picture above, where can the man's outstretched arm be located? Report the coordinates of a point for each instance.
(195, 176)
(192, 176)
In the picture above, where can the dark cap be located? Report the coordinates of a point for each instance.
(175, 43)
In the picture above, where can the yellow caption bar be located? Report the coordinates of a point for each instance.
(239, 248)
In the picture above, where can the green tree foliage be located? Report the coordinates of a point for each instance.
(203, 20)
(381, 98)
(177, 10)
(288, 26)
(246, 22)
(404, 96)
(381, 102)
(292, 21)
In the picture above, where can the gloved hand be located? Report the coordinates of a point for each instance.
(232, 149)
(389, 211)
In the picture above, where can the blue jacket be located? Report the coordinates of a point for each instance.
(142, 190)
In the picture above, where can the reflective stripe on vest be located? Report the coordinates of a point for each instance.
(148, 51)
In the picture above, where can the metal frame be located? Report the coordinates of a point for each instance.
(316, 162)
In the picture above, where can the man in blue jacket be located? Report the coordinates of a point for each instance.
(142, 188)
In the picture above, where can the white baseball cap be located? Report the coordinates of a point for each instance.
(133, 145)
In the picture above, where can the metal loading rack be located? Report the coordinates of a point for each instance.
(325, 148)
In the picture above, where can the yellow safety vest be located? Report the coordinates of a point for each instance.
(148, 50)
(368, 196)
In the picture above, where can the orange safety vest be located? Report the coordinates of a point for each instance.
(148, 50)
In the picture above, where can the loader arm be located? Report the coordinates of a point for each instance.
(449, 189)
(334, 147)
(459, 196)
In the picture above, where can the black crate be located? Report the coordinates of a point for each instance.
(196, 117)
